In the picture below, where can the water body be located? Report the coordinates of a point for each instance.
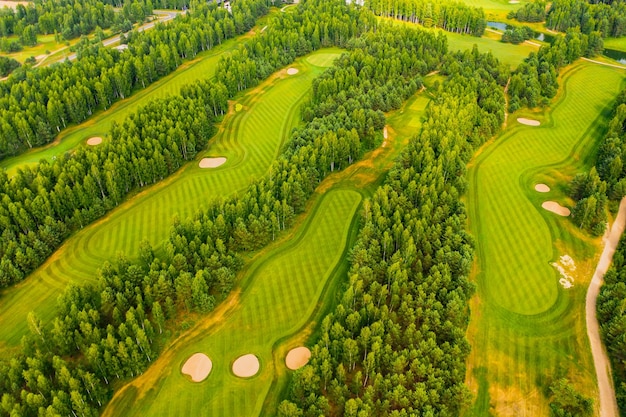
(498, 25)
(619, 56)
(543, 37)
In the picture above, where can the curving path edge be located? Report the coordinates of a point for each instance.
(608, 403)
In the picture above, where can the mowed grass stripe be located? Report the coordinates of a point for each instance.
(527, 330)
(148, 215)
(280, 292)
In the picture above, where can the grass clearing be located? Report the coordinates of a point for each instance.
(526, 330)
(250, 140)
(507, 53)
(279, 293)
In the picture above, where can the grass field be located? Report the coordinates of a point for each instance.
(618, 44)
(203, 66)
(250, 139)
(507, 53)
(279, 294)
(526, 330)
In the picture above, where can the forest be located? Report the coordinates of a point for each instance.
(38, 103)
(607, 19)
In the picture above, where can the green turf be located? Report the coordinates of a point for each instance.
(203, 66)
(526, 329)
(618, 44)
(280, 293)
(250, 139)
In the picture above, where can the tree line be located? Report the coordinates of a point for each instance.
(36, 104)
(530, 12)
(607, 19)
(395, 343)
(612, 319)
(7, 65)
(535, 82)
(448, 15)
(68, 19)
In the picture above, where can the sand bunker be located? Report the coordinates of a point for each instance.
(298, 357)
(566, 267)
(12, 4)
(94, 141)
(385, 135)
(513, 1)
(542, 188)
(212, 162)
(292, 71)
(528, 122)
(246, 366)
(556, 208)
(198, 367)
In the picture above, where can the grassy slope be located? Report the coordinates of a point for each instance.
(309, 255)
(525, 329)
(203, 66)
(279, 294)
(250, 139)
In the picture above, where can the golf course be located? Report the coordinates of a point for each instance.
(527, 327)
(320, 208)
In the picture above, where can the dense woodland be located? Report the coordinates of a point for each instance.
(395, 344)
(7, 65)
(68, 19)
(612, 319)
(530, 12)
(448, 15)
(37, 104)
(607, 19)
(535, 81)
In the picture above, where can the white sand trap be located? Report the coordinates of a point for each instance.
(12, 4)
(198, 367)
(528, 122)
(556, 208)
(566, 267)
(542, 188)
(212, 162)
(94, 141)
(513, 1)
(292, 71)
(297, 357)
(246, 366)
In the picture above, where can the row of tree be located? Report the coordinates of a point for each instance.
(589, 16)
(109, 331)
(7, 65)
(38, 103)
(535, 82)
(448, 15)
(530, 12)
(395, 344)
(612, 319)
(68, 18)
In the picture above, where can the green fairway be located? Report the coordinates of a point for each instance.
(250, 139)
(203, 66)
(278, 296)
(526, 329)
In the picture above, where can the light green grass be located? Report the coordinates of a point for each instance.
(510, 54)
(280, 293)
(203, 66)
(618, 44)
(526, 330)
(250, 139)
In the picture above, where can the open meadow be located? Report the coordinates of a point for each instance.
(250, 139)
(528, 325)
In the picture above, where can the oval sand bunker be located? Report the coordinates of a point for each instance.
(94, 141)
(556, 208)
(212, 162)
(198, 367)
(246, 366)
(297, 357)
(528, 122)
(542, 188)
(292, 71)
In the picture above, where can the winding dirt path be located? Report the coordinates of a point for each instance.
(606, 64)
(608, 404)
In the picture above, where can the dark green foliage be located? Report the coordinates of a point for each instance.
(608, 19)
(7, 65)
(395, 344)
(530, 12)
(448, 15)
(566, 402)
(517, 35)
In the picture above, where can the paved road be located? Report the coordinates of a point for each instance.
(608, 404)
